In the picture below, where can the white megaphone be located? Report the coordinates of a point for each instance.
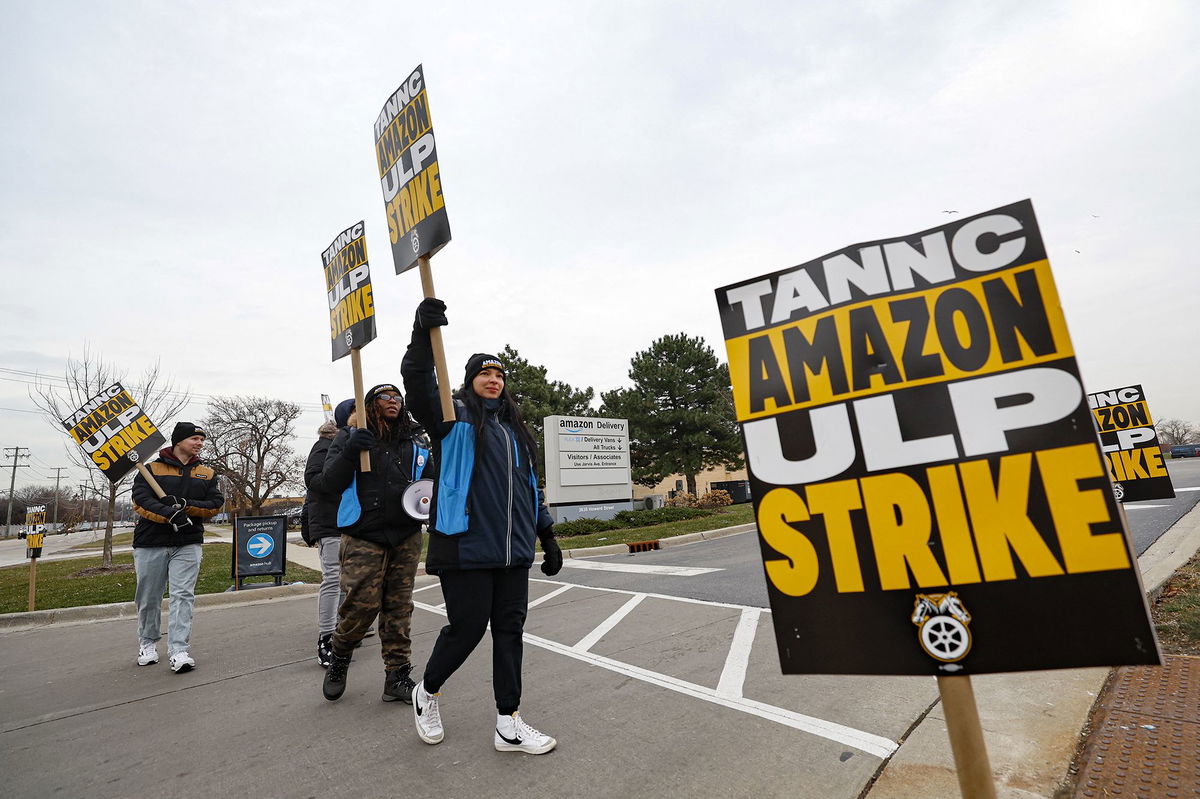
(416, 499)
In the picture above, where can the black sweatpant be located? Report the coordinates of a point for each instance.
(475, 597)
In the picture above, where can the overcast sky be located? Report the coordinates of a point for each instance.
(172, 172)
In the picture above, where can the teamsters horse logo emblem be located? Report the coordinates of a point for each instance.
(942, 621)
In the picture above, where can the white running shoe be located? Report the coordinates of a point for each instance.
(513, 734)
(181, 662)
(427, 715)
(147, 654)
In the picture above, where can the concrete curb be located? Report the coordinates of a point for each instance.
(12, 622)
(1173, 548)
(664, 543)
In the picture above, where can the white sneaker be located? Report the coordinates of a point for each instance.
(181, 662)
(147, 654)
(514, 735)
(427, 715)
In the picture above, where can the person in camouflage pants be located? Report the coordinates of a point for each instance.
(381, 543)
(379, 579)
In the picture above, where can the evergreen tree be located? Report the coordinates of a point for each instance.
(680, 411)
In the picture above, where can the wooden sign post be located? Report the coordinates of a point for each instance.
(439, 353)
(364, 457)
(966, 738)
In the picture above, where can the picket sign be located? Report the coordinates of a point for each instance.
(435, 340)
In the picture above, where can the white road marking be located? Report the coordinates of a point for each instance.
(1192, 488)
(863, 741)
(733, 676)
(636, 568)
(438, 584)
(1144, 507)
(561, 589)
(592, 638)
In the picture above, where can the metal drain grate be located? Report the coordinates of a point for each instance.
(642, 546)
(1145, 739)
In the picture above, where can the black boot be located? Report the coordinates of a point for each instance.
(398, 684)
(335, 676)
(324, 649)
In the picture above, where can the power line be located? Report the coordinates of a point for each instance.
(61, 382)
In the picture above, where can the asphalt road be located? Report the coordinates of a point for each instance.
(1148, 520)
(657, 672)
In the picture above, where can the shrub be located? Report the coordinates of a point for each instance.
(645, 518)
(585, 527)
(681, 500)
(715, 499)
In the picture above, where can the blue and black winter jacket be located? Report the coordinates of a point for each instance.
(487, 510)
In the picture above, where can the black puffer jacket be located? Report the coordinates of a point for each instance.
(319, 517)
(195, 484)
(505, 509)
(393, 464)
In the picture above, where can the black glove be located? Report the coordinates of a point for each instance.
(430, 313)
(172, 502)
(360, 439)
(551, 554)
(179, 520)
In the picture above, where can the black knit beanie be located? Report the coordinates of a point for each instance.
(480, 361)
(186, 430)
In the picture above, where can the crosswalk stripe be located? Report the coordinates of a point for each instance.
(636, 568)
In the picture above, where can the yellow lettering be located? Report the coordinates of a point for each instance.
(1075, 511)
(900, 524)
(834, 501)
(953, 529)
(1131, 463)
(999, 514)
(796, 573)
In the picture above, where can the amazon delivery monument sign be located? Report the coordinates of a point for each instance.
(587, 467)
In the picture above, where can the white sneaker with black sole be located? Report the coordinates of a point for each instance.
(181, 662)
(147, 654)
(427, 715)
(513, 734)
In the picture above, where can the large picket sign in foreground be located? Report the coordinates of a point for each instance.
(930, 494)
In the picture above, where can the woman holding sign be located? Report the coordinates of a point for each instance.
(487, 513)
(380, 543)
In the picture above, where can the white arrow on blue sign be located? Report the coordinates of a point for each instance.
(260, 545)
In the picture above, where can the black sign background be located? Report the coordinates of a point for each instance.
(846, 369)
(247, 565)
(1130, 444)
(406, 154)
(113, 432)
(348, 291)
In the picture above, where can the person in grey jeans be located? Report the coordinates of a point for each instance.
(319, 529)
(166, 543)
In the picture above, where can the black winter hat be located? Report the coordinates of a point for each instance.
(186, 430)
(383, 388)
(480, 361)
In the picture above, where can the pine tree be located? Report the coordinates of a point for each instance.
(680, 411)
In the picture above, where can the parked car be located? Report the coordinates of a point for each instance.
(1185, 451)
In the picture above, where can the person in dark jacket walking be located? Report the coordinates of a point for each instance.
(320, 529)
(166, 543)
(486, 514)
(380, 543)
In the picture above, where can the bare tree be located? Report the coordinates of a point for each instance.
(249, 445)
(84, 378)
(1176, 431)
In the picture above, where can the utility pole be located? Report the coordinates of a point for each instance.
(57, 477)
(83, 489)
(12, 486)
